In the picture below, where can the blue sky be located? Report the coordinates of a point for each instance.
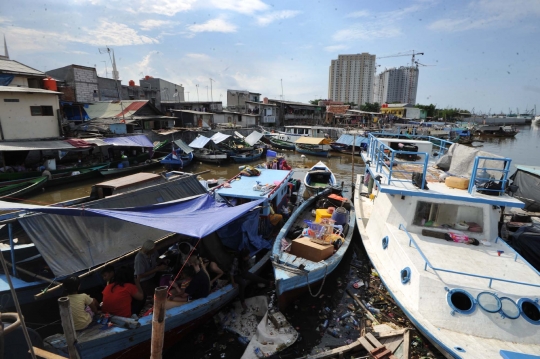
(486, 52)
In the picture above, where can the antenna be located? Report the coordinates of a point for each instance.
(107, 50)
(281, 89)
(211, 93)
(106, 72)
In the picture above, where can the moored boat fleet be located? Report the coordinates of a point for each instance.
(427, 212)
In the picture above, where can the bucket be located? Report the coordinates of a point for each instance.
(340, 215)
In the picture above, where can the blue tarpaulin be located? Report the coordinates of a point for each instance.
(348, 140)
(131, 141)
(6, 79)
(244, 233)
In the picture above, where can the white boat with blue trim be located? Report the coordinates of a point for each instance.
(318, 178)
(470, 301)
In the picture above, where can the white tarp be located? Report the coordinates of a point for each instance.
(218, 137)
(253, 138)
(462, 161)
(199, 142)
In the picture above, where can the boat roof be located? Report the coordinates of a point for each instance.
(310, 140)
(529, 169)
(128, 181)
(243, 186)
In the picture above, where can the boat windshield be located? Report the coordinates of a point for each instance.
(449, 216)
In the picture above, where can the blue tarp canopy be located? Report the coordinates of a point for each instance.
(130, 141)
(348, 140)
(219, 137)
(199, 142)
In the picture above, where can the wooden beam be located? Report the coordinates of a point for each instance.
(406, 344)
(46, 355)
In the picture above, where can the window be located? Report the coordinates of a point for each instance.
(11, 100)
(448, 216)
(41, 111)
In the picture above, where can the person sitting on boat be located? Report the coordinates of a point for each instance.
(199, 286)
(107, 273)
(211, 267)
(83, 307)
(240, 275)
(146, 266)
(119, 294)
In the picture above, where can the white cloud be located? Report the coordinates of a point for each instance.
(483, 14)
(241, 6)
(144, 65)
(268, 18)
(152, 24)
(334, 48)
(113, 34)
(198, 56)
(361, 13)
(163, 7)
(367, 31)
(214, 25)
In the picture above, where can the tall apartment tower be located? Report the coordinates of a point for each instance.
(351, 78)
(397, 85)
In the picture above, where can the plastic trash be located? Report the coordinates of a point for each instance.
(334, 333)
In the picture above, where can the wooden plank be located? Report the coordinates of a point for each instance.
(406, 344)
(373, 340)
(337, 351)
(367, 345)
(393, 343)
(359, 302)
(45, 354)
(391, 333)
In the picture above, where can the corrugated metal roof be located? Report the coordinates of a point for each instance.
(114, 109)
(15, 67)
(310, 140)
(195, 112)
(530, 169)
(35, 145)
(183, 146)
(253, 138)
(219, 137)
(27, 90)
(199, 142)
(348, 140)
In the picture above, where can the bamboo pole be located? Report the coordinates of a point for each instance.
(69, 327)
(17, 305)
(158, 323)
(92, 271)
(46, 355)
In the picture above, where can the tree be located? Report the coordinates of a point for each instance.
(351, 104)
(430, 109)
(316, 101)
(371, 107)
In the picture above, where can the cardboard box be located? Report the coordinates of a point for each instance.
(304, 248)
(457, 182)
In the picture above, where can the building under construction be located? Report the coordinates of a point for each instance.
(397, 85)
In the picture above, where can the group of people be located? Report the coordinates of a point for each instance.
(127, 289)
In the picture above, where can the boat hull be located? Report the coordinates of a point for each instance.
(126, 170)
(217, 159)
(86, 174)
(172, 164)
(282, 145)
(247, 158)
(307, 151)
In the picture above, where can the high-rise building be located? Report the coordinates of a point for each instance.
(397, 85)
(351, 78)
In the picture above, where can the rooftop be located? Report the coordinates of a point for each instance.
(112, 109)
(27, 90)
(294, 103)
(16, 68)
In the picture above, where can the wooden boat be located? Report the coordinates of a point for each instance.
(470, 301)
(182, 160)
(211, 156)
(318, 178)
(14, 190)
(311, 150)
(74, 176)
(344, 144)
(11, 176)
(497, 131)
(314, 146)
(248, 156)
(293, 273)
(130, 169)
(282, 145)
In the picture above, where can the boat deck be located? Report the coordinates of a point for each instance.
(243, 187)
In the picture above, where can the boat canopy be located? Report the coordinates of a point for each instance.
(199, 142)
(183, 146)
(310, 140)
(253, 138)
(349, 139)
(130, 141)
(35, 145)
(67, 247)
(528, 191)
(219, 137)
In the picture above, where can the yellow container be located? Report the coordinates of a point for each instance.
(457, 182)
(321, 213)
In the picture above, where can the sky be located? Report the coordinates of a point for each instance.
(482, 55)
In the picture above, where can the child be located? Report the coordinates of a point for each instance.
(82, 317)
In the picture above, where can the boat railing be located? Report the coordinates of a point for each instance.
(384, 157)
(436, 269)
(440, 145)
(475, 179)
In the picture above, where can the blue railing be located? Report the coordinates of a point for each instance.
(439, 144)
(475, 179)
(435, 269)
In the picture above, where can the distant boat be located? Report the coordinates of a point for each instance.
(281, 144)
(248, 156)
(10, 176)
(344, 144)
(74, 176)
(173, 162)
(14, 190)
(314, 146)
(130, 169)
(211, 156)
(318, 178)
(497, 131)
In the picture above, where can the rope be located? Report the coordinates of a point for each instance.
(183, 265)
(51, 283)
(322, 284)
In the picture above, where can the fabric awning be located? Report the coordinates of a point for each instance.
(310, 140)
(238, 134)
(183, 146)
(349, 139)
(219, 137)
(253, 138)
(199, 142)
(35, 145)
(131, 141)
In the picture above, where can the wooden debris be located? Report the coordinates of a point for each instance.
(375, 348)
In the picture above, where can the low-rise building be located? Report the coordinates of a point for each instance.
(164, 90)
(236, 99)
(77, 83)
(298, 113)
(403, 110)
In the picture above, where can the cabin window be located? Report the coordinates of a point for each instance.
(41, 111)
(449, 216)
(11, 100)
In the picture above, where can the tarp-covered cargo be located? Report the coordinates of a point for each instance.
(527, 178)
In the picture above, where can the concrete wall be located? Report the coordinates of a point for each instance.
(86, 84)
(19, 81)
(17, 121)
(107, 89)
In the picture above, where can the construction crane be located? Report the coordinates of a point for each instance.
(413, 55)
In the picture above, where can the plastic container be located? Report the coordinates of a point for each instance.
(321, 213)
(340, 216)
(457, 182)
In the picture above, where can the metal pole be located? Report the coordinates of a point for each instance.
(17, 305)
(158, 323)
(352, 165)
(68, 326)
(12, 247)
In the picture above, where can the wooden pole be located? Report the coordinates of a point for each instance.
(352, 166)
(69, 327)
(17, 305)
(46, 355)
(158, 323)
